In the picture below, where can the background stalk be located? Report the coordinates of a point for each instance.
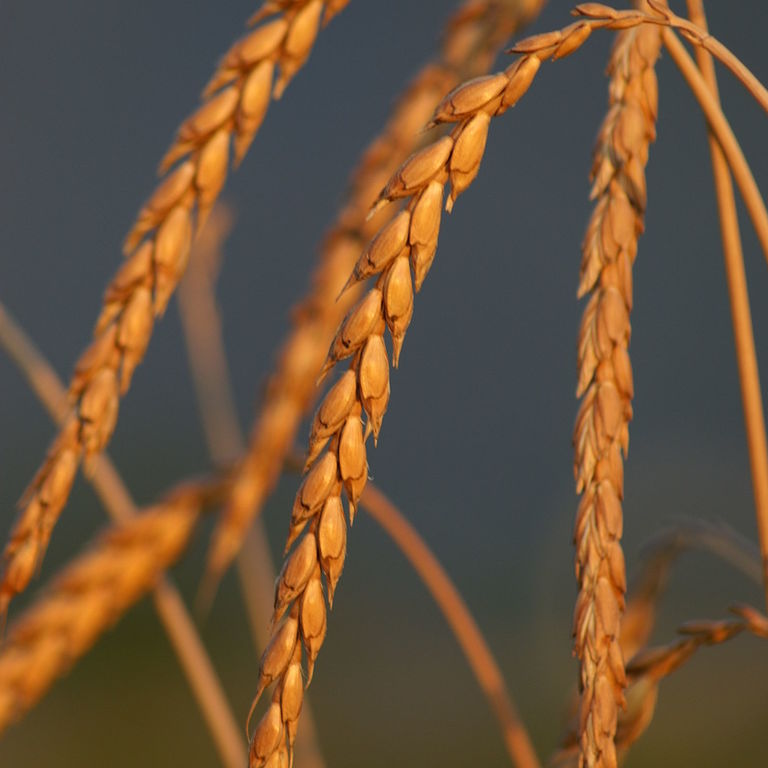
(746, 355)
(117, 501)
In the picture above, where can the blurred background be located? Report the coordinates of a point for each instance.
(475, 448)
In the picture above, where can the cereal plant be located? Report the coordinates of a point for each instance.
(335, 368)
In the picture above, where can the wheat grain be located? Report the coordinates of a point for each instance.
(157, 249)
(472, 38)
(601, 433)
(91, 593)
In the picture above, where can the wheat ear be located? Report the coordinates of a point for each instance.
(337, 456)
(471, 41)
(601, 433)
(157, 249)
(91, 593)
(116, 499)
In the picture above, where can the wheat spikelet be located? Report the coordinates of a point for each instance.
(471, 41)
(157, 249)
(91, 593)
(601, 433)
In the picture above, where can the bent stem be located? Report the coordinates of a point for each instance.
(459, 618)
(116, 499)
(746, 356)
(201, 324)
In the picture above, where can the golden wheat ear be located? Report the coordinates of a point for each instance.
(472, 38)
(91, 593)
(157, 249)
(601, 434)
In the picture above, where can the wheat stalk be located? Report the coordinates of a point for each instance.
(157, 250)
(92, 593)
(690, 31)
(454, 609)
(746, 356)
(472, 39)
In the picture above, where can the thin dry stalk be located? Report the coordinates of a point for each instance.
(472, 39)
(459, 618)
(746, 356)
(755, 420)
(649, 667)
(117, 501)
(742, 173)
(692, 33)
(601, 434)
(201, 322)
(718, 539)
(337, 454)
(90, 594)
(157, 249)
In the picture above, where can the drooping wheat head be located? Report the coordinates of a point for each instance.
(399, 256)
(157, 249)
(472, 39)
(91, 593)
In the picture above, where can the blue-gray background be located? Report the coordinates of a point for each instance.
(476, 446)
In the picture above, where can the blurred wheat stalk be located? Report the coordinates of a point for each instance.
(392, 245)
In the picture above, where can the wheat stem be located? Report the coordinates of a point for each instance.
(462, 623)
(650, 666)
(742, 173)
(157, 249)
(694, 34)
(737, 288)
(201, 324)
(116, 499)
(716, 538)
(746, 356)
